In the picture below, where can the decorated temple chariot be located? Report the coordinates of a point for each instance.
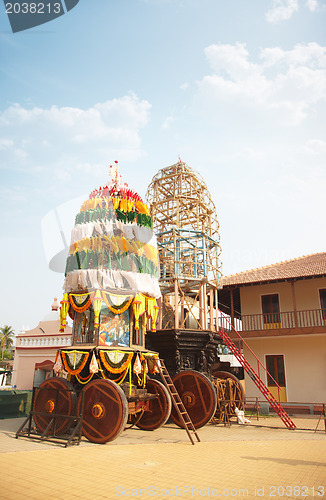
(107, 379)
(110, 293)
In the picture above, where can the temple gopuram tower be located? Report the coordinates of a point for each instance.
(187, 231)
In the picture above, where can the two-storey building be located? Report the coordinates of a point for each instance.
(280, 312)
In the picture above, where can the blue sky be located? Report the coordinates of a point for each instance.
(236, 88)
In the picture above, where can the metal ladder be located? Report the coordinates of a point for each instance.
(254, 376)
(177, 401)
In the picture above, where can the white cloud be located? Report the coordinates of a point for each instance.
(281, 10)
(315, 147)
(66, 139)
(312, 5)
(14, 195)
(167, 122)
(233, 59)
(6, 143)
(282, 87)
(310, 54)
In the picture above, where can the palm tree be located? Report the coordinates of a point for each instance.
(6, 338)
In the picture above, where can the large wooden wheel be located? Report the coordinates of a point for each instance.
(159, 408)
(230, 395)
(105, 410)
(198, 396)
(54, 396)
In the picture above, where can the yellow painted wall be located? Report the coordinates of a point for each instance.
(251, 297)
(304, 364)
(306, 295)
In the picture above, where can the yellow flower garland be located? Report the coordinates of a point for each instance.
(83, 380)
(139, 307)
(63, 312)
(97, 302)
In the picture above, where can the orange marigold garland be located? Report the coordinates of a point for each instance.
(118, 365)
(121, 377)
(81, 301)
(117, 309)
(74, 361)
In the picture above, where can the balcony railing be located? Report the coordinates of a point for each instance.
(276, 321)
(55, 341)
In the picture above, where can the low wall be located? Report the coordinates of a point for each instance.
(14, 403)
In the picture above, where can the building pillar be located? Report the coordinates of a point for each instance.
(294, 305)
(232, 307)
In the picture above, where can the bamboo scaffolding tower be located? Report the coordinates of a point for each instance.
(187, 229)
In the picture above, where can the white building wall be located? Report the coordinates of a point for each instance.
(304, 363)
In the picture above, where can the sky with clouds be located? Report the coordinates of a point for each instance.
(236, 88)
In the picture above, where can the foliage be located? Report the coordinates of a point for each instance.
(8, 354)
(7, 336)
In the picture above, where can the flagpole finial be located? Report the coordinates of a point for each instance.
(114, 172)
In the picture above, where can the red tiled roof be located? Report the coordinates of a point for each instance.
(301, 267)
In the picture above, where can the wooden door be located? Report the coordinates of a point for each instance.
(271, 311)
(275, 366)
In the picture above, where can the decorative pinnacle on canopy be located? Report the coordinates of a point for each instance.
(116, 187)
(115, 173)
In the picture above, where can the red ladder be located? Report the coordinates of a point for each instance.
(253, 375)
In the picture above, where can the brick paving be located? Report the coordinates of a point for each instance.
(262, 459)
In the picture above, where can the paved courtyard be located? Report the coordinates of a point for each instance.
(262, 459)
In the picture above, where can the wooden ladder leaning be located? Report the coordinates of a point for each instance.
(177, 402)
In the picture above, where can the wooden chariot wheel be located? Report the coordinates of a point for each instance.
(54, 396)
(230, 395)
(198, 396)
(159, 408)
(105, 410)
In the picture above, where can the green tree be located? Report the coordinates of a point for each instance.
(7, 335)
